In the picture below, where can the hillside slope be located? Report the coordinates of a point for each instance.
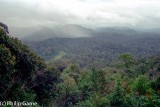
(100, 49)
(24, 75)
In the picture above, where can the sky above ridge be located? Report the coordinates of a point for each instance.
(92, 13)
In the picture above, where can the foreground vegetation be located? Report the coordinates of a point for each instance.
(128, 82)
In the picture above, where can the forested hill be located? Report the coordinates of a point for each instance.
(100, 49)
(23, 75)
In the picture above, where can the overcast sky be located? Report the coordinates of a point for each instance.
(94, 13)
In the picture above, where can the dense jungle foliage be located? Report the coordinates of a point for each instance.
(128, 82)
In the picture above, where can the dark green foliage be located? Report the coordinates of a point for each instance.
(67, 90)
(7, 61)
(73, 71)
(85, 83)
(141, 85)
(156, 85)
(127, 60)
(44, 85)
(23, 75)
(128, 64)
(98, 79)
(94, 89)
(117, 98)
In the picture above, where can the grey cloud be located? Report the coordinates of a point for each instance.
(20, 14)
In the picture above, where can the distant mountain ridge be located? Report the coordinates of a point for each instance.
(41, 33)
(66, 31)
(75, 31)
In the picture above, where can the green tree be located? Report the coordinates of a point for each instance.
(127, 60)
(68, 93)
(117, 98)
(128, 64)
(73, 71)
(141, 85)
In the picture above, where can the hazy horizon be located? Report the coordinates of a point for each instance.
(89, 13)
